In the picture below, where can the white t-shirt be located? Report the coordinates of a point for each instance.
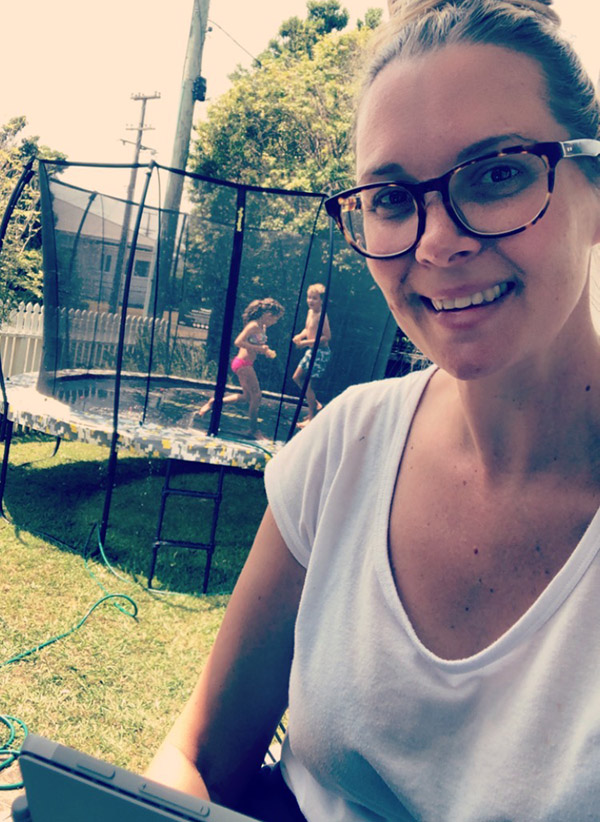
(380, 728)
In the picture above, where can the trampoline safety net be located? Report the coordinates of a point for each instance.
(146, 301)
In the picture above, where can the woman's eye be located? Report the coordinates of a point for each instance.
(499, 174)
(392, 202)
(494, 180)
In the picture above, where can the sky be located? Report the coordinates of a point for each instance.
(71, 66)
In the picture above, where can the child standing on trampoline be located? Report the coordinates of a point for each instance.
(252, 341)
(306, 339)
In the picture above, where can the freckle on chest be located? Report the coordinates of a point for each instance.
(478, 565)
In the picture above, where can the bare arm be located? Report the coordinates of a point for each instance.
(326, 330)
(301, 335)
(222, 735)
(308, 336)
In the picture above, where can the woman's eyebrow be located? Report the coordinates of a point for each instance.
(496, 141)
(393, 171)
(388, 171)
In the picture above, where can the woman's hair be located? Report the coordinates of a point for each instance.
(259, 307)
(530, 27)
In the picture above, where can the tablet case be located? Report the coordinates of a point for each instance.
(65, 785)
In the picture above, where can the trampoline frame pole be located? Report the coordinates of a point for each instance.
(112, 458)
(319, 331)
(232, 287)
(15, 195)
(66, 341)
(51, 329)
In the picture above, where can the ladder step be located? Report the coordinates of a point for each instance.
(209, 547)
(179, 543)
(186, 492)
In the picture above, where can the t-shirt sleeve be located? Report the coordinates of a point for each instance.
(297, 478)
(335, 461)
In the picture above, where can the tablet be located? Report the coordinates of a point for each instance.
(64, 785)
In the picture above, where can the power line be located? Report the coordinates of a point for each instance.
(256, 60)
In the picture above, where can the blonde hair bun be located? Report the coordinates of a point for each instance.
(404, 11)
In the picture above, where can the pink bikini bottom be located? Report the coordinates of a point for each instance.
(240, 362)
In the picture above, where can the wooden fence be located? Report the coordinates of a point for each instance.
(21, 338)
(93, 335)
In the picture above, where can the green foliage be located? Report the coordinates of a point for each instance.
(21, 259)
(287, 123)
(372, 19)
(298, 37)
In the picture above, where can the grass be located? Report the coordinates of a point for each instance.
(63, 497)
(113, 687)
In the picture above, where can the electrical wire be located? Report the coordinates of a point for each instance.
(239, 45)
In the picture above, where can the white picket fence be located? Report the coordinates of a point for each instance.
(21, 338)
(93, 335)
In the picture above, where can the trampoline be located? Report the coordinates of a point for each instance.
(83, 404)
(142, 304)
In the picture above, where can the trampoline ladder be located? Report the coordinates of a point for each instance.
(167, 491)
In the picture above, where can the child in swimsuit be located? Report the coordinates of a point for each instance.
(306, 339)
(251, 342)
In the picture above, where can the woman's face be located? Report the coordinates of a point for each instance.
(421, 117)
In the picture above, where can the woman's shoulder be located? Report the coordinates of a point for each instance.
(346, 439)
(385, 392)
(365, 410)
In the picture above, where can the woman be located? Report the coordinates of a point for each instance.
(445, 631)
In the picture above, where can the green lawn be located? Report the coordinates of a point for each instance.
(112, 687)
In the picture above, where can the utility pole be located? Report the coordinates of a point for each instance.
(193, 87)
(118, 274)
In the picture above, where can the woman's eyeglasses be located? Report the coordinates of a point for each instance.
(491, 196)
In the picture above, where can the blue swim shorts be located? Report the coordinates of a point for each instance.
(320, 363)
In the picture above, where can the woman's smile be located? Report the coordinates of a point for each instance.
(477, 298)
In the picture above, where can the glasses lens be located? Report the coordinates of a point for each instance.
(382, 220)
(500, 194)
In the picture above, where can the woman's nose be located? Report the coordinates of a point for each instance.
(442, 242)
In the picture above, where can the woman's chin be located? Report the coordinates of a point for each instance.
(474, 367)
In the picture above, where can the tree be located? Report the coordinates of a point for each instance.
(288, 122)
(372, 19)
(21, 258)
(299, 37)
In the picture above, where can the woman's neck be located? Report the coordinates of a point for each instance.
(535, 417)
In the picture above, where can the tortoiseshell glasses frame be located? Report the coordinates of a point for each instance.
(484, 198)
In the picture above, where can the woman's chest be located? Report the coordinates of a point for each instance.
(467, 562)
(380, 721)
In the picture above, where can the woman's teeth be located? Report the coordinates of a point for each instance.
(487, 296)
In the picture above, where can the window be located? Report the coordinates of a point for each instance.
(141, 268)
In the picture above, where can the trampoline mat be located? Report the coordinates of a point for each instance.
(170, 428)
